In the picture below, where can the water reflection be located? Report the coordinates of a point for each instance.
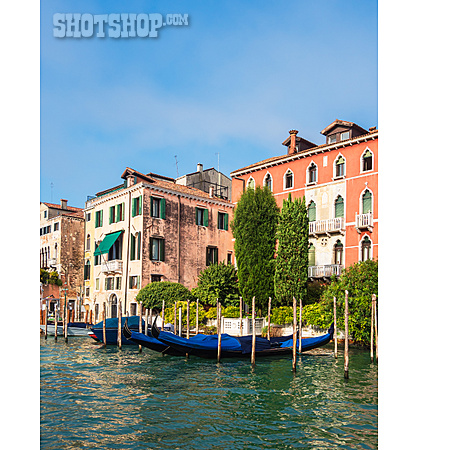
(95, 397)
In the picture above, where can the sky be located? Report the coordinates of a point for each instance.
(223, 91)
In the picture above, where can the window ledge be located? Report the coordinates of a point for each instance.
(311, 183)
(341, 177)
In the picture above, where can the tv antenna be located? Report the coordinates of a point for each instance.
(51, 192)
(176, 163)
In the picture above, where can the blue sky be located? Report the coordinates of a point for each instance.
(230, 85)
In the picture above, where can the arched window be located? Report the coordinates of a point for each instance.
(367, 161)
(87, 270)
(366, 246)
(251, 183)
(268, 181)
(288, 179)
(88, 242)
(340, 167)
(339, 207)
(312, 212)
(311, 255)
(312, 173)
(56, 251)
(367, 202)
(113, 305)
(338, 252)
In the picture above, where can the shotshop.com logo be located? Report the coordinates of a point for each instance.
(113, 25)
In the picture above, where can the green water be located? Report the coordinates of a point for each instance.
(106, 398)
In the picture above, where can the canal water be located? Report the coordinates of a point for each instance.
(106, 398)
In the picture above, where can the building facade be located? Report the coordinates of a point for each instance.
(61, 246)
(150, 229)
(339, 180)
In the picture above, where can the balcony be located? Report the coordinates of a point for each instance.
(364, 222)
(52, 262)
(114, 266)
(325, 271)
(327, 226)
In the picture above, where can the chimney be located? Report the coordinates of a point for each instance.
(372, 129)
(199, 167)
(291, 149)
(211, 191)
(63, 204)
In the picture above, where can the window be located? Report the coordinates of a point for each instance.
(251, 183)
(157, 249)
(345, 135)
(134, 282)
(365, 248)
(109, 283)
(56, 226)
(118, 283)
(332, 139)
(338, 252)
(136, 206)
(268, 181)
(312, 173)
(97, 284)
(288, 180)
(88, 217)
(97, 258)
(115, 252)
(45, 214)
(56, 251)
(367, 162)
(201, 217)
(87, 292)
(158, 207)
(339, 207)
(117, 213)
(222, 221)
(156, 278)
(135, 246)
(340, 167)
(366, 202)
(133, 309)
(312, 212)
(311, 255)
(87, 270)
(98, 219)
(88, 242)
(212, 255)
(229, 258)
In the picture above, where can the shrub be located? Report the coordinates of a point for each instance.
(153, 294)
(169, 313)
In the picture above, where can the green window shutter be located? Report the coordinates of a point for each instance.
(218, 220)
(138, 283)
(101, 218)
(367, 202)
(205, 217)
(162, 250)
(140, 204)
(138, 256)
(123, 211)
(96, 219)
(339, 207)
(111, 214)
(133, 208)
(132, 247)
(226, 221)
(118, 213)
(312, 212)
(311, 256)
(163, 208)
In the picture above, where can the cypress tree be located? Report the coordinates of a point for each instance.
(291, 269)
(254, 226)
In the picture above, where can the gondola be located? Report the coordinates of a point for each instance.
(205, 346)
(79, 329)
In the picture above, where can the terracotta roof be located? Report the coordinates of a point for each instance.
(56, 206)
(344, 123)
(283, 157)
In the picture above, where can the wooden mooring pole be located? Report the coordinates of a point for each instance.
(196, 320)
(104, 323)
(162, 318)
(253, 358)
(56, 319)
(188, 318)
(300, 307)
(140, 324)
(376, 325)
(46, 319)
(294, 335)
(219, 331)
(119, 324)
(175, 317)
(346, 337)
(371, 329)
(240, 316)
(268, 319)
(146, 322)
(65, 323)
(335, 328)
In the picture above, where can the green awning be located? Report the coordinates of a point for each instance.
(107, 243)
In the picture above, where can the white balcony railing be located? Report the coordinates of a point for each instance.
(52, 261)
(326, 226)
(115, 266)
(325, 271)
(364, 220)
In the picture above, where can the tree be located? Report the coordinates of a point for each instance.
(291, 268)
(254, 227)
(218, 281)
(361, 281)
(153, 294)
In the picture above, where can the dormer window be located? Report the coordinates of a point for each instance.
(332, 139)
(345, 135)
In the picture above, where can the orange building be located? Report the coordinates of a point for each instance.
(339, 180)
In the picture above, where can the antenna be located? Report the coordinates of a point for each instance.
(176, 163)
(218, 165)
(51, 192)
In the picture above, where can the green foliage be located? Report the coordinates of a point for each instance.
(361, 281)
(314, 292)
(291, 271)
(254, 227)
(218, 281)
(230, 311)
(169, 313)
(282, 315)
(50, 277)
(44, 276)
(153, 294)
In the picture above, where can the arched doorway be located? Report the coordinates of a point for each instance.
(113, 303)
